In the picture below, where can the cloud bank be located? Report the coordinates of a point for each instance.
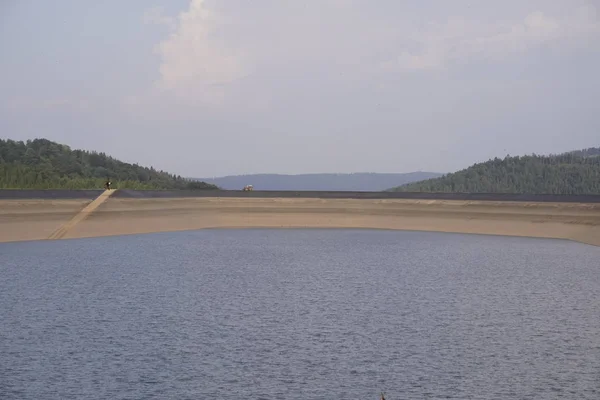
(214, 47)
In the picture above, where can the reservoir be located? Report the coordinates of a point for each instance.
(299, 314)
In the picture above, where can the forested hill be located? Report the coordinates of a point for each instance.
(42, 164)
(576, 172)
(330, 182)
(591, 152)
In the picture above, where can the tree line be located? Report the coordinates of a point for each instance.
(43, 164)
(576, 172)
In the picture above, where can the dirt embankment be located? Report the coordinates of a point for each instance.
(36, 219)
(33, 219)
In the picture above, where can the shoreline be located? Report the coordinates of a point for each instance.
(240, 228)
(35, 219)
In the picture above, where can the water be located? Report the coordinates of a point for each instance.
(300, 314)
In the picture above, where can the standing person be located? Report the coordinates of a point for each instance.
(107, 184)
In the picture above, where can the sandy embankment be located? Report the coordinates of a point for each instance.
(35, 219)
(30, 220)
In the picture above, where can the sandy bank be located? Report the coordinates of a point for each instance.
(118, 216)
(35, 219)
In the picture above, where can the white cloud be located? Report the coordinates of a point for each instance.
(237, 57)
(461, 40)
(194, 56)
(205, 48)
(196, 66)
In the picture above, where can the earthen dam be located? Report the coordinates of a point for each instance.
(67, 214)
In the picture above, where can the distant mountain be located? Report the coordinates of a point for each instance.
(574, 172)
(334, 182)
(42, 164)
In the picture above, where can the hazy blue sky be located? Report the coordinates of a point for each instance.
(208, 88)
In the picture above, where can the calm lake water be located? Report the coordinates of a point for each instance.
(300, 314)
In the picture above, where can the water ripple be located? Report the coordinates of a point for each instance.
(299, 314)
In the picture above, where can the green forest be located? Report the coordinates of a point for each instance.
(576, 172)
(43, 164)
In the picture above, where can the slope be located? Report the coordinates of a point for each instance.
(43, 164)
(575, 172)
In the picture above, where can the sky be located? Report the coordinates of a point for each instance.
(207, 88)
